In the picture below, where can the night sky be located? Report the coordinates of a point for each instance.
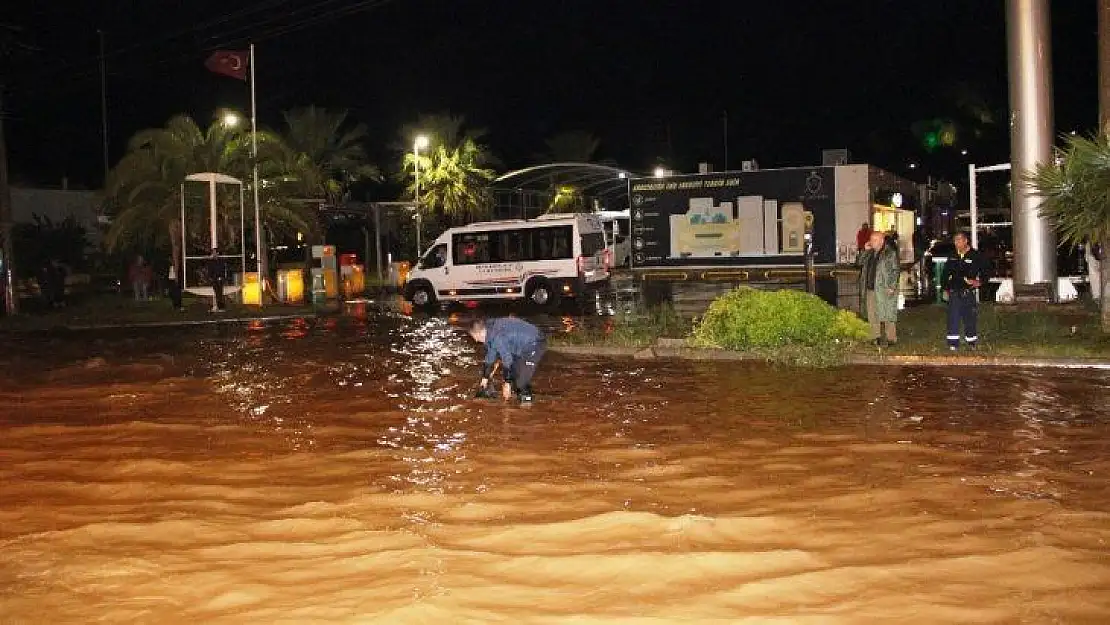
(652, 79)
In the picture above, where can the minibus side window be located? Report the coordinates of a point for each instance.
(472, 248)
(510, 246)
(552, 243)
(437, 257)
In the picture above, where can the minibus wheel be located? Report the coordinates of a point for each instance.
(541, 293)
(422, 296)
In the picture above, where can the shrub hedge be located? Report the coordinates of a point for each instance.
(759, 320)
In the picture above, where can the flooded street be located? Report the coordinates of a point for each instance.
(337, 471)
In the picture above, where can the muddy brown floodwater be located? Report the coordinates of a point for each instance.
(337, 472)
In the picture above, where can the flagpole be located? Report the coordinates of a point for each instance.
(254, 153)
(103, 105)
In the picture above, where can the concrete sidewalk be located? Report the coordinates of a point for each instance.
(676, 349)
(182, 323)
(158, 324)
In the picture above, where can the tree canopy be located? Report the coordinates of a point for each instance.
(1076, 190)
(145, 185)
(315, 160)
(454, 170)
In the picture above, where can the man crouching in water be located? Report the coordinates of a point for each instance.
(519, 345)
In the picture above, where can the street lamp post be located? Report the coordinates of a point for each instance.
(420, 143)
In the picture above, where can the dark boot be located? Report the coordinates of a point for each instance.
(525, 395)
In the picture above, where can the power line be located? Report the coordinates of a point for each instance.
(357, 7)
(222, 39)
(228, 17)
(238, 34)
(243, 13)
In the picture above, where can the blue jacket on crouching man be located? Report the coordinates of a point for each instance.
(519, 345)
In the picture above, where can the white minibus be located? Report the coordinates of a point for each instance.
(541, 260)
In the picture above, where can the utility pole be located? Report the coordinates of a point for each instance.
(1095, 276)
(724, 121)
(103, 105)
(11, 302)
(8, 44)
(1104, 66)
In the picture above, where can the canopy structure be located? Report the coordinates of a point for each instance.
(212, 180)
(529, 192)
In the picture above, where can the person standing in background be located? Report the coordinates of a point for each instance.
(863, 236)
(962, 277)
(216, 272)
(46, 279)
(174, 287)
(58, 284)
(136, 275)
(879, 282)
(146, 275)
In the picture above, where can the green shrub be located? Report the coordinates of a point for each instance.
(755, 320)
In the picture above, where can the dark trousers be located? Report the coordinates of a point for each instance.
(218, 291)
(524, 367)
(175, 293)
(963, 307)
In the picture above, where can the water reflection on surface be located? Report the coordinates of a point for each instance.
(339, 472)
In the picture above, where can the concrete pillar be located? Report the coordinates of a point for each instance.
(1031, 136)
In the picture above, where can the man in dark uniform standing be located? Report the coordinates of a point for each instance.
(963, 275)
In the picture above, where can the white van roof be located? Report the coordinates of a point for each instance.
(625, 214)
(557, 216)
(542, 219)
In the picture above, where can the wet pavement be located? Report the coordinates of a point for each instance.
(337, 470)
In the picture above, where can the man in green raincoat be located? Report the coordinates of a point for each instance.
(879, 284)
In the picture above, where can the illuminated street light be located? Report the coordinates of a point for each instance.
(913, 165)
(420, 143)
(964, 152)
(230, 119)
(660, 172)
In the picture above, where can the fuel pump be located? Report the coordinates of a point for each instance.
(325, 276)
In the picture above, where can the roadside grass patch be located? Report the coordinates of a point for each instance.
(1060, 331)
(629, 329)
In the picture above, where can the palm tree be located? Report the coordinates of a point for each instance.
(446, 129)
(315, 161)
(1076, 198)
(145, 185)
(454, 183)
(455, 171)
(574, 146)
(567, 199)
(323, 154)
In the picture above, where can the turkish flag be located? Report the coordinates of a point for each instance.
(229, 63)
